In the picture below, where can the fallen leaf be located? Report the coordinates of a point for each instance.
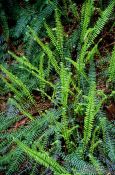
(111, 111)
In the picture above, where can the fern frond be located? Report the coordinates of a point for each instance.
(101, 22)
(109, 144)
(18, 95)
(99, 168)
(91, 54)
(74, 9)
(65, 5)
(7, 120)
(65, 77)
(78, 68)
(51, 35)
(112, 67)
(95, 142)
(36, 72)
(19, 158)
(43, 159)
(13, 102)
(16, 80)
(4, 22)
(90, 115)
(6, 159)
(110, 147)
(80, 166)
(47, 50)
(41, 72)
(72, 40)
(59, 32)
(24, 19)
(58, 38)
(86, 14)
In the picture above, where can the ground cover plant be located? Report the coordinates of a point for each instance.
(57, 77)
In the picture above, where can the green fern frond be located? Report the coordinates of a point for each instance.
(47, 50)
(109, 144)
(4, 22)
(90, 115)
(72, 40)
(57, 40)
(59, 32)
(51, 35)
(86, 13)
(41, 72)
(5, 159)
(43, 159)
(24, 19)
(17, 81)
(91, 53)
(74, 9)
(110, 147)
(32, 69)
(78, 68)
(19, 158)
(101, 22)
(112, 67)
(99, 168)
(79, 165)
(65, 77)
(13, 102)
(95, 142)
(18, 95)
(65, 5)
(8, 120)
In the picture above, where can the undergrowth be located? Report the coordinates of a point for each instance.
(73, 136)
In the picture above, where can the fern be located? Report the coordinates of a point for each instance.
(65, 78)
(74, 131)
(100, 170)
(80, 166)
(13, 102)
(78, 68)
(91, 54)
(57, 39)
(93, 106)
(112, 66)
(51, 35)
(20, 157)
(43, 159)
(41, 72)
(90, 115)
(16, 80)
(101, 22)
(34, 130)
(18, 95)
(32, 68)
(86, 13)
(47, 51)
(74, 9)
(59, 32)
(107, 139)
(4, 22)
(95, 142)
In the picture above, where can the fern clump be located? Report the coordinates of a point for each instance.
(55, 120)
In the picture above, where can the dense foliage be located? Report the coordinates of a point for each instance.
(52, 67)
